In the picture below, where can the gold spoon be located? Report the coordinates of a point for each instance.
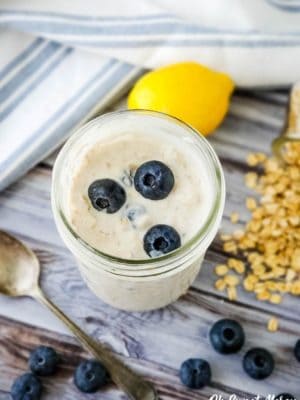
(19, 276)
(291, 130)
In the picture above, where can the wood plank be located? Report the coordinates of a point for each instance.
(254, 120)
(183, 327)
(26, 205)
(16, 352)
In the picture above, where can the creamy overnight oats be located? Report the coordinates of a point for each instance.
(137, 197)
(130, 182)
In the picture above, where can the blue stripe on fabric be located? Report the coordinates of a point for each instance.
(28, 70)
(123, 44)
(21, 57)
(137, 29)
(12, 106)
(58, 113)
(167, 28)
(87, 18)
(59, 134)
(285, 6)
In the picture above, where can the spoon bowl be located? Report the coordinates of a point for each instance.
(19, 267)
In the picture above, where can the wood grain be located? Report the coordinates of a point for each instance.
(154, 343)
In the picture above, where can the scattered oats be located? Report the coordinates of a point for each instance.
(254, 159)
(266, 276)
(270, 241)
(237, 265)
(248, 285)
(271, 285)
(254, 226)
(279, 272)
(294, 220)
(251, 203)
(251, 160)
(275, 299)
(231, 262)
(238, 234)
(273, 324)
(226, 238)
(258, 213)
(240, 268)
(295, 263)
(221, 269)
(251, 180)
(252, 257)
(232, 293)
(276, 233)
(220, 284)
(290, 275)
(231, 280)
(258, 270)
(261, 157)
(282, 287)
(252, 278)
(234, 217)
(271, 208)
(271, 165)
(263, 296)
(230, 247)
(259, 287)
(295, 288)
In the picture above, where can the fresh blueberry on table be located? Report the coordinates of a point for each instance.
(154, 180)
(43, 361)
(297, 350)
(227, 336)
(161, 239)
(26, 387)
(258, 363)
(106, 195)
(90, 376)
(285, 396)
(195, 373)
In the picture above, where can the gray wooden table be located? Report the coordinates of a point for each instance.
(153, 343)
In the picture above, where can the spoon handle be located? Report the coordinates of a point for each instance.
(131, 383)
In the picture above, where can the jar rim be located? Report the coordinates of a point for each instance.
(213, 216)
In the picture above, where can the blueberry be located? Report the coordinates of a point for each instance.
(43, 361)
(258, 363)
(26, 387)
(90, 376)
(285, 396)
(154, 180)
(161, 239)
(107, 195)
(227, 336)
(195, 373)
(297, 350)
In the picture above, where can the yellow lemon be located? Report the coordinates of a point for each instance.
(189, 91)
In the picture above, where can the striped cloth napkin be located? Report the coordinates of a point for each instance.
(62, 62)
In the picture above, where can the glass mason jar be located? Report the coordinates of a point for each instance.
(150, 283)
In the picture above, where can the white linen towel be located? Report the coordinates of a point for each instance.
(61, 61)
